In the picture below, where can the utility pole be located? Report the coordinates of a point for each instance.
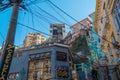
(8, 48)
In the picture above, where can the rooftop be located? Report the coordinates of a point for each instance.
(83, 22)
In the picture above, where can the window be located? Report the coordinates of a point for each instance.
(59, 32)
(104, 5)
(55, 28)
(13, 76)
(47, 61)
(38, 64)
(111, 55)
(107, 1)
(112, 59)
(61, 56)
(113, 38)
(47, 71)
(73, 30)
(109, 50)
(35, 75)
(39, 73)
(39, 37)
(31, 39)
(99, 40)
(116, 16)
(118, 9)
(118, 21)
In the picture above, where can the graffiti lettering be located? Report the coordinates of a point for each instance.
(62, 73)
(7, 61)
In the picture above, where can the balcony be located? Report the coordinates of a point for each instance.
(80, 57)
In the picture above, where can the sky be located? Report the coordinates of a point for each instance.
(33, 17)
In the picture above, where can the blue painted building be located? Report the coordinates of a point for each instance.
(41, 63)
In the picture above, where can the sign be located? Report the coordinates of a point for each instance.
(6, 61)
(61, 56)
(62, 71)
(40, 56)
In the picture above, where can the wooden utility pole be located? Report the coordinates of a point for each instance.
(8, 48)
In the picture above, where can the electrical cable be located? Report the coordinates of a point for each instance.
(28, 21)
(63, 11)
(32, 21)
(45, 17)
(50, 14)
(35, 1)
(58, 13)
(33, 29)
(68, 23)
(40, 22)
(77, 21)
(2, 36)
(4, 6)
(2, 40)
(23, 23)
(40, 17)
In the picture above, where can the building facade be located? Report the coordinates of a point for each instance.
(57, 32)
(50, 62)
(116, 20)
(94, 41)
(34, 39)
(96, 52)
(77, 40)
(78, 29)
(106, 26)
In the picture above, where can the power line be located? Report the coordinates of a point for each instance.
(45, 17)
(42, 20)
(77, 21)
(68, 23)
(35, 1)
(58, 13)
(32, 28)
(39, 16)
(22, 29)
(63, 11)
(5, 6)
(32, 20)
(2, 36)
(50, 14)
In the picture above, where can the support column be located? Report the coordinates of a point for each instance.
(8, 48)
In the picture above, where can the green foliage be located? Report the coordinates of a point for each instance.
(80, 44)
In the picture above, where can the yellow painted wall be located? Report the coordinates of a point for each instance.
(109, 27)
